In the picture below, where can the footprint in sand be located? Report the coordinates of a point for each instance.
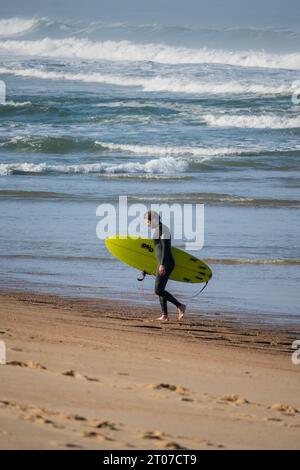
(171, 388)
(75, 417)
(283, 408)
(36, 365)
(156, 435)
(236, 399)
(72, 373)
(72, 446)
(29, 365)
(43, 415)
(59, 420)
(171, 446)
(91, 379)
(5, 403)
(162, 440)
(211, 444)
(40, 419)
(76, 375)
(107, 425)
(6, 332)
(96, 436)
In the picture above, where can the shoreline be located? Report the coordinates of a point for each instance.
(247, 317)
(231, 328)
(88, 374)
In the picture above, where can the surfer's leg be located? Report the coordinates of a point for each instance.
(163, 304)
(170, 298)
(160, 284)
(181, 308)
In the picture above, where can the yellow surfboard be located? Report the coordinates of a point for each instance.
(140, 254)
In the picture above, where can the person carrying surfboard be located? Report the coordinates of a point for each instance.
(165, 265)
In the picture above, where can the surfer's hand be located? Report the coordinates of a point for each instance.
(162, 270)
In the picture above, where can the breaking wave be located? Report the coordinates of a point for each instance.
(157, 83)
(233, 261)
(12, 26)
(264, 121)
(125, 50)
(166, 165)
(168, 150)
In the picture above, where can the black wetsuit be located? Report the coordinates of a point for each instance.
(162, 240)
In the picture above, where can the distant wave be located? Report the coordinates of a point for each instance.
(264, 121)
(15, 104)
(233, 261)
(67, 144)
(218, 198)
(12, 26)
(25, 26)
(148, 176)
(202, 152)
(168, 150)
(166, 165)
(48, 144)
(181, 35)
(156, 83)
(73, 47)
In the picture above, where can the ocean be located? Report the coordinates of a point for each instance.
(160, 114)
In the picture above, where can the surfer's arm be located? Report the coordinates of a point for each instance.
(163, 251)
(165, 245)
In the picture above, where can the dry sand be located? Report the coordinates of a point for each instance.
(84, 374)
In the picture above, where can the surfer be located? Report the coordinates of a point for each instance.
(165, 264)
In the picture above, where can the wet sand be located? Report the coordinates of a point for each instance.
(91, 374)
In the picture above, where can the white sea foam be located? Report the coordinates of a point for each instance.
(160, 53)
(157, 83)
(165, 165)
(17, 104)
(159, 150)
(183, 85)
(8, 168)
(264, 121)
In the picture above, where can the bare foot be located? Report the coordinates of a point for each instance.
(181, 311)
(163, 318)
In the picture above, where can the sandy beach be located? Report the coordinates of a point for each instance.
(89, 374)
